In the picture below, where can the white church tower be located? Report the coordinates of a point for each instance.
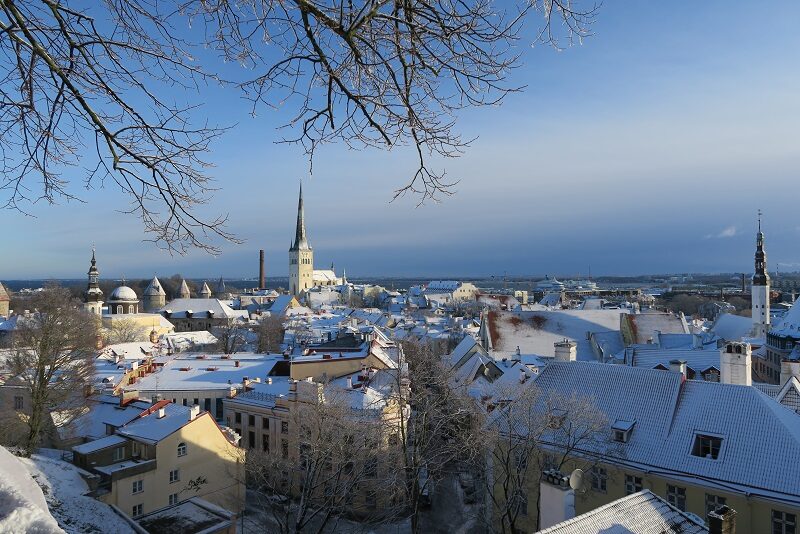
(93, 296)
(760, 288)
(301, 256)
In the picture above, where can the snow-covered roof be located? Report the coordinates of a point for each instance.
(198, 372)
(789, 325)
(154, 289)
(732, 327)
(509, 330)
(670, 413)
(639, 513)
(123, 294)
(697, 360)
(151, 428)
(178, 309)
(100, 444)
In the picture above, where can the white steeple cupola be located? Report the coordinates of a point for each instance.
(760, 287)
(93, 296)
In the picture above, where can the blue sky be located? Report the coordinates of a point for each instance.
(647, 149)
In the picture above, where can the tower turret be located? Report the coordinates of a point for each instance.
(301, 256)
(760, 288)
(183, 291)
(205, 292)
(154, 297)
(93, 296)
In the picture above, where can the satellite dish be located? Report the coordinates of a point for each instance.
(576, 480)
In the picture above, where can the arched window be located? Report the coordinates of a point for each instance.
(130, 308)
(181, 449)
(119, 309)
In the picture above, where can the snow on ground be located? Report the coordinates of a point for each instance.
(23, 508)
(65, 490)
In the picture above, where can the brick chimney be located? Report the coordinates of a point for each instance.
(566, 351)
(678, 366)
(262, 282)
(722, 521)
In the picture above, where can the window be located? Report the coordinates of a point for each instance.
(138, 486)
(713, 502)
(265, 442)
(219, 409)
(251, 420)
(196, 402)
(237, 417)
(265, 423)
(173, 499)
(599, 477)
(119, 309)
(783, 523)
(706, 446)
(285, 449)
(251, 439)
(137, 510)
(118, 454)
(19, 402)
(284, 427)
(632, 484)
(181, 449)
(174, 475)
(676, 496)
(185, 403)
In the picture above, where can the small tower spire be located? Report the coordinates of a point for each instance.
(93, 296)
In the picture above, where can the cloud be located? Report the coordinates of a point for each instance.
(730, 231)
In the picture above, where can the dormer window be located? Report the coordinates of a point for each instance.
(621, 430)
(706, 446)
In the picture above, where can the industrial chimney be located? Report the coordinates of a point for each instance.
(261, 281)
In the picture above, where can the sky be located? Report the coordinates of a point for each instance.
(647, 149)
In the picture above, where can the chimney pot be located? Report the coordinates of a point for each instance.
(722, 521)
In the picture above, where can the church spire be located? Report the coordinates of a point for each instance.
(760, 275)
(300, 240)
(93, 296)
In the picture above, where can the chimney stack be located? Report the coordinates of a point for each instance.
(678, 366)
(737, 360)
(261, 280)
(789, 368)
(566, 351)
(557, 499)
(722, 521)
(162, 412)
(194, 411)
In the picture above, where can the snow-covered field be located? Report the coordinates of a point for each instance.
(64, 491)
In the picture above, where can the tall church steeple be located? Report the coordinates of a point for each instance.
(300, 240)
(760, 288)
(301, 255)
(93, 296)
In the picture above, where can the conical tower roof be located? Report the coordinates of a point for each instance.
(205, 291)
(183, 292)
(221, 286)
(3, 294)
(154, 289)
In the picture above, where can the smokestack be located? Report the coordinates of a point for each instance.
(261, 281)
(722, 521)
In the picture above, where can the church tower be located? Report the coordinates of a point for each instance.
(93, 296)
(301, 256)
(760, 288)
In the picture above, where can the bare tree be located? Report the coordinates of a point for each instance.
(270, 332)
(529, 432)
(333, 463)
(51, 359)
(127, 331)
(231, 337)
(96, 86)
(440, 433)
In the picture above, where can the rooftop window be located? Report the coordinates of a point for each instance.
(622, 429)
(706, 446)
